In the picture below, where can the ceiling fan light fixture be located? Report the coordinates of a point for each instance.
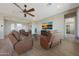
(49, 4)
(24, 15)
(25, 6)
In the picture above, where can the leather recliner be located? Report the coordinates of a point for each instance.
(20, 43)
(48, 39)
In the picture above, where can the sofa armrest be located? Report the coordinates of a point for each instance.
(23, 46)
(44, 42)
(12, 39)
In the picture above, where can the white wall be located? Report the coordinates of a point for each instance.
(7, 27)
(1, 28)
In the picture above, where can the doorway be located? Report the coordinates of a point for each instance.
(70, 28)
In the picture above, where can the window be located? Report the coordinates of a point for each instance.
(18, 26)
(12, 27)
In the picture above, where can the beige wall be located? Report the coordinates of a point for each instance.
(58, 23)
(1, 28)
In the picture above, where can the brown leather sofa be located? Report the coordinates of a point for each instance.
(20, 42)
(22, 31)
(48, 39)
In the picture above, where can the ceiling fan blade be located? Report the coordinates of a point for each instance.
(26, 12)
(30, 10)
(31, 14)
(18, 6)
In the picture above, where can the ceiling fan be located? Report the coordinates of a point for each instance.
(25, 11)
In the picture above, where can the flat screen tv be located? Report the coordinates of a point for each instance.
(47, 26)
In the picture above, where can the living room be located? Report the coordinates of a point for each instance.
(48, 28)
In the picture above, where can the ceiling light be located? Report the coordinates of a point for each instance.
(49, 4)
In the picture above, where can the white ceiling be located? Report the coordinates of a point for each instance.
(42, 10)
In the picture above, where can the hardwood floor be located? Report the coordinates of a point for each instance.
(66, 48)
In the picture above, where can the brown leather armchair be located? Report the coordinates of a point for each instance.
(20, 44)
(48, 40)
(45, 39)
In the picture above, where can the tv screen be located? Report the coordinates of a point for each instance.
(48, 26)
